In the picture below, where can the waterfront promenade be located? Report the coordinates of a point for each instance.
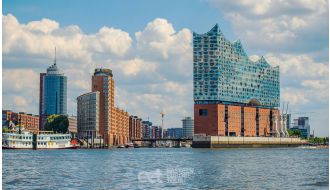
(159, 168)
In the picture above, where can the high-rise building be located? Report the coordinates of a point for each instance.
(113, 122)
(88, 114)
(187, 127)
(146, 130)
(288, 121)
(41, 81)
(53, 93)
(302, 124)
(233, 95)
(156, 132)
(102, 81)
(135, 127)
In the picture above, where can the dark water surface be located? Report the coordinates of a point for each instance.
(166, 168)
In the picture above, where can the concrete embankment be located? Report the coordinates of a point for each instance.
(245, 142)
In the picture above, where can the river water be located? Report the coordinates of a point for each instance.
(166, 168)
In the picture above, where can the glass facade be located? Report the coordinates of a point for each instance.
(188, 127)
(223, 73)
(54, 92)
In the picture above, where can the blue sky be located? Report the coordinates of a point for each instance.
(130, 16)
(148, 46)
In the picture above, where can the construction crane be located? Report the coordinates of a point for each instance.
(162, 114)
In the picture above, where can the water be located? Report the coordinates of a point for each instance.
(166, 168)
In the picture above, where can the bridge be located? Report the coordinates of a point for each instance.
(163, 139)
(176, 142)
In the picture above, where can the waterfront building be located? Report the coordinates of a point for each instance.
(102, 81)
(53, 93)
(165, 134)
(288, 121)
(302, 124)
(30, 122)
(88, 114)
(156, 132)
(233, 95)
(187, 127)
(135, 127)
(113, 122)
(146, 130)
(72, 124)
(174, 133)
(121, 136)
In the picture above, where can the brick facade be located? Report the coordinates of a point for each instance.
(249, 121)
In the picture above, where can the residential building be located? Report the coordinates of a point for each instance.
(122, 127)
(135, 127)
(174, 133)
(187, 127)
(113, 122)
(88, 116)
(233, 96)
(30, 122)
(156, 132)
(146, 130)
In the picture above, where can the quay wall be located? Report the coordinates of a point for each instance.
(242, 142)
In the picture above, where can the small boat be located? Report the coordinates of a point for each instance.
(129, 145)
(38, 140)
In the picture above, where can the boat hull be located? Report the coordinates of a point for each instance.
(11, 148)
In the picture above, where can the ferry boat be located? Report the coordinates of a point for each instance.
(43, 140)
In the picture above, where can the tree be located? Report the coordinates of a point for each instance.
(57, 123)
(294, 133)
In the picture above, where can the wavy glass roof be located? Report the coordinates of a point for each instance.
(224, 73)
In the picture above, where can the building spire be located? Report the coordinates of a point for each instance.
(55, 57)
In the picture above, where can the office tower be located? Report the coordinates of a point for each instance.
(187, 127)
(88, 115)
(102, 81)
(53, 93)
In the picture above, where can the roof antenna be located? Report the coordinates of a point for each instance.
(55, 57)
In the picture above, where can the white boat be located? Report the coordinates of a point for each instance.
(43, 140)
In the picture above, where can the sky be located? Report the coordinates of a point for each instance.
(148, 45)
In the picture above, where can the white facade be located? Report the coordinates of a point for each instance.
(188, 127)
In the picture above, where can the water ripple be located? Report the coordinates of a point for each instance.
(161, 168)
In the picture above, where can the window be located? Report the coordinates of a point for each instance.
(203, 112)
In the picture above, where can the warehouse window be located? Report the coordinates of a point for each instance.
(203, 112)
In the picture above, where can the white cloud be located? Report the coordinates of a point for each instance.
(278, 26)
(109, 40)
(152, 75)
(135, 66)
(160, 38)
(315, 84)
(294, 97)
(45, 26)
(40, 38)
(298, 65)
(20, 101)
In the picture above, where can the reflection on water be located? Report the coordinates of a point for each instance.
(159, 168)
